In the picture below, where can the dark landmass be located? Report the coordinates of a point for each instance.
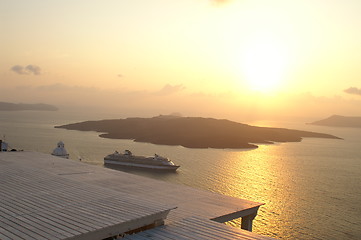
(339, 121)
(5, 106)
(192, 132)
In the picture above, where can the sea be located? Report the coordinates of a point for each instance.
(310, 189)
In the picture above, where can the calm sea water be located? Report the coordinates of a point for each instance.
(311, 189)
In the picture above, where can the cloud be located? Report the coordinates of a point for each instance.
(28, 70)
(33, 69)
(353, 90)
(169, 89)
(220, 1)
(59, 87)
(54, 87)
(18, 69)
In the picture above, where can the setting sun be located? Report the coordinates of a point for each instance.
(264, 65)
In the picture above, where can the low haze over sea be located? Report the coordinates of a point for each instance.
(311, 189)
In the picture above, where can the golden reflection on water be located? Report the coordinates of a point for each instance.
(260, 175)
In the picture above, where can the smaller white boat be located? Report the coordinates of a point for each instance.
(129, 160)
(60, 151)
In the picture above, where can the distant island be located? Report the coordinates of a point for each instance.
(5, 106)
(192, 132)
(339, 121)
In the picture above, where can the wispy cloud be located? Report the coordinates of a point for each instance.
(28, 70)
(353, 90)
(169, 89)
(59, 87)
(220, 1)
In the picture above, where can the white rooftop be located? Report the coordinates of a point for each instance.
(47, 197)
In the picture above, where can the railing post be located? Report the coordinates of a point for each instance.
(247, 221)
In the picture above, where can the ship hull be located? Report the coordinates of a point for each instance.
(141, 165)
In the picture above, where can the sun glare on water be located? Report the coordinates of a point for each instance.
(263, 66)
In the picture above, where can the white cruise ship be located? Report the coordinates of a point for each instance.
(130, 160)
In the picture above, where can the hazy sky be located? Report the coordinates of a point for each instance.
(226, 59)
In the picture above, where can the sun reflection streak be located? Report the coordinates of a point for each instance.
(262, 177)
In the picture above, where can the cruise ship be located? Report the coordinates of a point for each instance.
(130, 160)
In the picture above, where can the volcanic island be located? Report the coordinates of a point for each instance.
(192, 132)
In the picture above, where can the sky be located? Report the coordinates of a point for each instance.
(234, 59)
